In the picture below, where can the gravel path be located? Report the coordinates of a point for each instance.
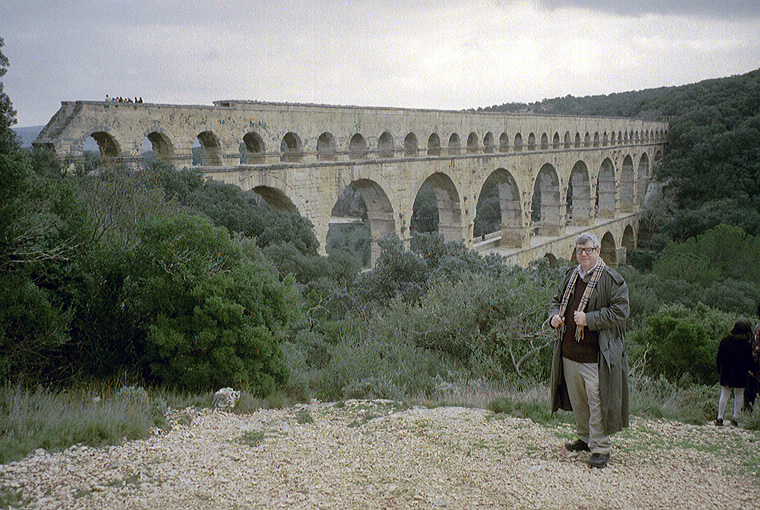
(378, 454)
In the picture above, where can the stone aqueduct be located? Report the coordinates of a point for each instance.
(591, 172)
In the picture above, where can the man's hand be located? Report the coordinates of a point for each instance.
(557, 320)
(580, 318)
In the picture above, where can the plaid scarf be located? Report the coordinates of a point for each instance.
(596, 274)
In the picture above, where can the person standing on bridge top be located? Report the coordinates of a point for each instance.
(589, 365)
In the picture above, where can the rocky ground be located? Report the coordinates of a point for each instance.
(380, 454)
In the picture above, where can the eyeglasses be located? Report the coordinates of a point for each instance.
(588, 251)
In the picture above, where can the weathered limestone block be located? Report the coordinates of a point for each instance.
(226, 398)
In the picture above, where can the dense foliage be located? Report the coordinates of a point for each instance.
(100, 281)
(7, 113)
(682, 342)
(106, 272)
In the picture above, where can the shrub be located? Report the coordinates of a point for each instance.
(370, 357)
(44, 247)
(211, 315)
(32, 328)
(134, 394)
(497, 328)
(687, 266)
(682, 400)
(723, 252)
(397, 272)
(230, 207)
(680, 340)
(537, 411)
(733, 296)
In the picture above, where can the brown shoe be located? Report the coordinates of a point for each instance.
(577, 446)
(598, 460)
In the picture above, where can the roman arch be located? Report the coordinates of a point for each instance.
(554, 175)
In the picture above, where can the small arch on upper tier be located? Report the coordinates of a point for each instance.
(291, 147)
(455, 145)
(518, 142)
(158, 145)
(411, 147)
(357, 147)
(326, 147)
(504, 142)
(253, 149)
(108, 147)
(489, 145)
(211, 149)
(434, 145)
(385, 145)
(472, 143)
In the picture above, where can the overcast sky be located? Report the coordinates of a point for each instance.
(421, 54)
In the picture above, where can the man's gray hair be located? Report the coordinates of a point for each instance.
(586, 237)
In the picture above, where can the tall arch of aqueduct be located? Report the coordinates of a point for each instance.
(591, 172)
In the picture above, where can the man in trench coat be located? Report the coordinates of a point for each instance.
(589, 365)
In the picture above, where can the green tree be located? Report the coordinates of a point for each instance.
(8, 139)
(722, 252)
(397, 273)
(680, 340)
(492, 325)
(239, 212)
(43, 249)
(211, 315)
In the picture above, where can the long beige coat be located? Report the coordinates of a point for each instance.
(607, 312)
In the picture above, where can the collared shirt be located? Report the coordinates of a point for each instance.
(582, 274)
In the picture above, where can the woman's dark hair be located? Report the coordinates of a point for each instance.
(758, 308)
(742, 327)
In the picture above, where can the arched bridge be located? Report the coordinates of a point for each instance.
(555, 175)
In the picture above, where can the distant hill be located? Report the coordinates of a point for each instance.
(27, 134)
(650, 104)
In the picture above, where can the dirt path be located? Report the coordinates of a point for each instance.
(378, 454)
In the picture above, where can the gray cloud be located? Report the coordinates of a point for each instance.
(727, 9)
(428, 54)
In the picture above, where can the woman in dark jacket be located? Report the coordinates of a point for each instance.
(734, 363)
